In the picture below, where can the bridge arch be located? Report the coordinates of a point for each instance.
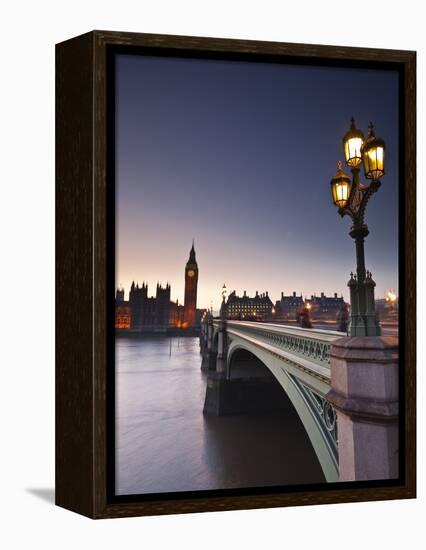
(297, 396)
(243, 364)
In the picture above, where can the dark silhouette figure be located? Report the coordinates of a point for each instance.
(305, 316)
(343, 318)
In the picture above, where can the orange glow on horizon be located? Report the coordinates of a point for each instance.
(122, 317)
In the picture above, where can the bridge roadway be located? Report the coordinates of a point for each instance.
(299, 359)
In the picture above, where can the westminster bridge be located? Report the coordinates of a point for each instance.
(344, 390)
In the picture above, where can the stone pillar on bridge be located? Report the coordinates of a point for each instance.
(364, 392)
(208, 342)
(221, 348)
(203, 336)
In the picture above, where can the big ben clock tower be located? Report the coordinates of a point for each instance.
(191, 282)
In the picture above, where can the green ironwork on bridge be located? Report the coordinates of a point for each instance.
(297, 358)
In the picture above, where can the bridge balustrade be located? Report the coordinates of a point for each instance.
(312, 344)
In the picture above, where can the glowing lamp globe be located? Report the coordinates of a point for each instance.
(352, 144)
(340, 187)
(224, 292)
(373, 155)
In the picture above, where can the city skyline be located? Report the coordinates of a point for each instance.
(239, 156)
(239, 292)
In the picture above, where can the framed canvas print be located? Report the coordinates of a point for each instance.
(235, 241)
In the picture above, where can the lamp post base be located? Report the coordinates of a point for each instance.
(363, 319)
(372, 324)
(357, 326)
(367, 325)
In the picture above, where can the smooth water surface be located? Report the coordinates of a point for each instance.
(164, 443)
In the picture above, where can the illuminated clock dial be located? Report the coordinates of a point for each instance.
(191, 273)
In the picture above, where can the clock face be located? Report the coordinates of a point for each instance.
(191, 273)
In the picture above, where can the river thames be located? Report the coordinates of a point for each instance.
(164, 442)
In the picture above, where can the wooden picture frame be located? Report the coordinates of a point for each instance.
(84, 259)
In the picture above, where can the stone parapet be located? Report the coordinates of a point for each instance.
(364, 392)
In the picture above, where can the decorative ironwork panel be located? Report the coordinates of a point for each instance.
(315, 348)
(323, 412)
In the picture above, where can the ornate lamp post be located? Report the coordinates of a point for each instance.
(351, 197)
(223, 306)
(222, 339)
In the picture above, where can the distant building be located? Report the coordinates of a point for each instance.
(289, 307)
(119, 297)
(142, 312)
(153, 312)
(277, 309)
(324, 307)
(240, 307)
(122, 311)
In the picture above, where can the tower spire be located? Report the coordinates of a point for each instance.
(192, 254)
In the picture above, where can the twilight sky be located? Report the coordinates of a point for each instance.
(239, 156)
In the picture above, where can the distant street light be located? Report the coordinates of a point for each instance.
(391, 297)
(351, 198)
(223, 306)
(224, 292)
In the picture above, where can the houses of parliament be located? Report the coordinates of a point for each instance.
(141, 313)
